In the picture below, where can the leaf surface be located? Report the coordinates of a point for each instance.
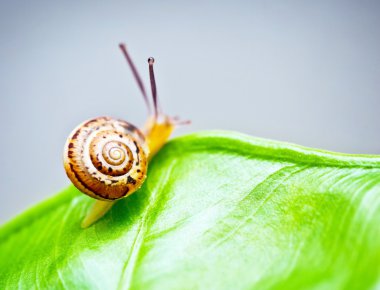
(218, 211)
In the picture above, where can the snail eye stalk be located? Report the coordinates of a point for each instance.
(135, 74)
(153, 85)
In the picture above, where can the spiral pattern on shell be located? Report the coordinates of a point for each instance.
(106, 158)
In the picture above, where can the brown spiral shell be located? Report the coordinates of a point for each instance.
(106, 158)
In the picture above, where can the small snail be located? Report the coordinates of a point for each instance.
(107, 158)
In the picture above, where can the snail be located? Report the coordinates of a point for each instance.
(107, 158)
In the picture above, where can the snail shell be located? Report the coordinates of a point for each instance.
(106, 158)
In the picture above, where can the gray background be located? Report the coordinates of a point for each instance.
(305, 72)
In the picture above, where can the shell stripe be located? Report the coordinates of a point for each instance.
(106, 158)
(82, 183)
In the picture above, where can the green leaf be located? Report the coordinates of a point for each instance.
(218, 211)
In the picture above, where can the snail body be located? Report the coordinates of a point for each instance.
(107, 159)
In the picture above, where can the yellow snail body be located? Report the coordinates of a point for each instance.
(107, 158)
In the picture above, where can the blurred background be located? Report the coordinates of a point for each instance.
(306, 72)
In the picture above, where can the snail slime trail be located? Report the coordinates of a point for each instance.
(107, 159)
